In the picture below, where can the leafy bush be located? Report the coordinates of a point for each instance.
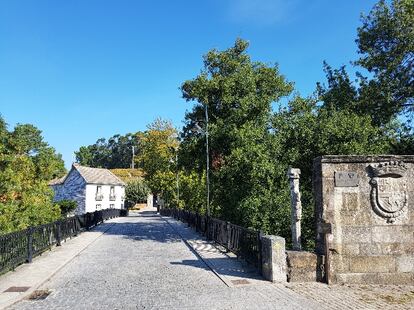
(136, 191)
(67, 206)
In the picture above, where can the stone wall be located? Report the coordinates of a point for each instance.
(302, 266)
(365, 218)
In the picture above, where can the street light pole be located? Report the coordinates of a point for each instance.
(208, 164)
(176, 167)
(133, 157)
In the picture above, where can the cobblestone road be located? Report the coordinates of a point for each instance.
(141, 263)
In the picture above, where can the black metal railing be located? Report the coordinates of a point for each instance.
(21, 246)
(244, 242)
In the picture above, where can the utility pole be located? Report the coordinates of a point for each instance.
(133, 157)
(208, 164)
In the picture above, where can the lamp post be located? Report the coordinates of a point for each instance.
(175, 149)
(176, 167)
(207, 163)
(205, 133)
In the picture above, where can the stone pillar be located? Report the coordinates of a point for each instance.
(296, 207)
(150, 202)
(274, 259)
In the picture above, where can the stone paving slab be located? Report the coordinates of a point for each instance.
(46, 265)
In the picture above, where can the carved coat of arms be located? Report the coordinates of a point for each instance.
(389, 196)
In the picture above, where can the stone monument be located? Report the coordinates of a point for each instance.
(365, 218)
(293, 175)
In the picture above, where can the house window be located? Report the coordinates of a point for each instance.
(112, 206)
(98, 195)
(98, 207)
(112, 193)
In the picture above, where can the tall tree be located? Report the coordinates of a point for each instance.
(238, 93)
(386, 44)
(111, 154)
(27, 163)
(156, 157)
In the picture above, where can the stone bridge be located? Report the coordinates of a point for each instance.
(145, 261)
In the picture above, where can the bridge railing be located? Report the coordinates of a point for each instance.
(21, 246)
(244, 242)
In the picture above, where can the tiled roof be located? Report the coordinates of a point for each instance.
(92, 176)
(98, 175)
(57, 181)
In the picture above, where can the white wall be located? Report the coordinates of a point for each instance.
(72, 189)
(105, 203)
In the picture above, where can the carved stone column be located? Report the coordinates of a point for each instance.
(296, 207)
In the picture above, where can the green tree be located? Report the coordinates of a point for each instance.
(136, 191)
(111, 154)
(156, 157)
(239, 94)
(386, 44)
(27, 163)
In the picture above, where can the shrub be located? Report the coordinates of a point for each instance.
(67, 206)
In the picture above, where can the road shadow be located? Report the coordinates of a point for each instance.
(225, 266)
(153, 228)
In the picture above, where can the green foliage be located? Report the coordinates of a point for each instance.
(192, 188)
(252, 146)
(157, 155)
(67, 206)
(244, 177)
(27, 163)
(114, 153)
(136, 191)
(386, 44)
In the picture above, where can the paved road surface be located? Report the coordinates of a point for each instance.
(142, 263)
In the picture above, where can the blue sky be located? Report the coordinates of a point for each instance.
(84, 69)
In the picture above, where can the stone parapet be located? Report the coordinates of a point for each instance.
(274, 258)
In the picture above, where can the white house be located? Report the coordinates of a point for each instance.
(92, 188)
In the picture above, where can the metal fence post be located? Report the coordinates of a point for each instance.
(228, 237)
(30, 245)
(208, 227)
(58, 233)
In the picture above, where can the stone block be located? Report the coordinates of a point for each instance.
(299, 275)
(392, 233)
(372, 264)
(302, 266)
(274, 259)
(350, 201)
(405, 263)
(301, 259)
(399, 278)
(367, 249)
(356, 234)
(355, 278)
(339, 263)
(350, 249)
(356, 218)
